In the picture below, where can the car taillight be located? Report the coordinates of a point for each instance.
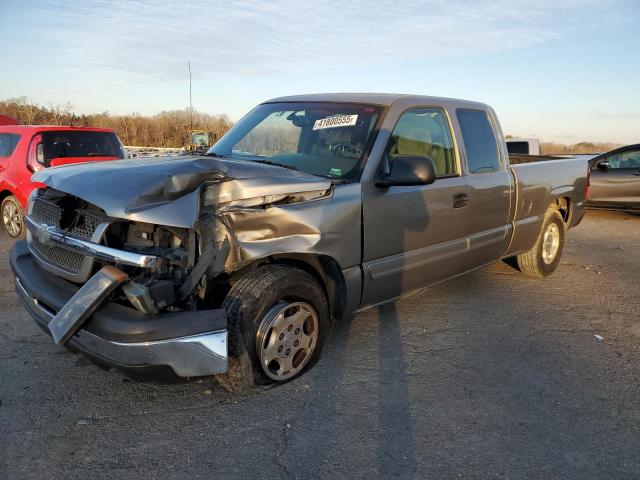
(35, 158)
(587, 189)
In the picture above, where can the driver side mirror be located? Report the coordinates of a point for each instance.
(604, 165)
(409, 170)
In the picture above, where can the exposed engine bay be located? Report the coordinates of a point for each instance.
(189, 268)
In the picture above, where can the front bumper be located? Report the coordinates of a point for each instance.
(190, 344)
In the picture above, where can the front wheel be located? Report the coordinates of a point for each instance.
(13, 217)
(543, 259)
(278, 318)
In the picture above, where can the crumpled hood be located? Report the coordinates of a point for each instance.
(166, 190)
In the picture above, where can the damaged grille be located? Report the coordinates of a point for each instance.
(68, 261)
(47, 212)
(83, 225)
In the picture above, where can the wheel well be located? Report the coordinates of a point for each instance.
(4, 194)
(322, 267)
(563, 204)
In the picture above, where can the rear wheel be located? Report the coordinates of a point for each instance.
(278, 318)
(544, 257)
(12, 217)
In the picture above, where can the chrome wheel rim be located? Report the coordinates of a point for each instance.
(286, 339)
(11, 219)
(550, 243)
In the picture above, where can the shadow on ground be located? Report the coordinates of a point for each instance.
(490, 375)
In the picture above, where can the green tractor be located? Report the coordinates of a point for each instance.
(200, 141)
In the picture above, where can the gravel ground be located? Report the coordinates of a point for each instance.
(492, 375)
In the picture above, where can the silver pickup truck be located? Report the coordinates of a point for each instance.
(309, 209)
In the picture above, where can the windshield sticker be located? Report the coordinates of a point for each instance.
(335, 171)
(335, 121)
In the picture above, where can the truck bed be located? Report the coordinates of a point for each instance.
(539, 184)
(519, 158)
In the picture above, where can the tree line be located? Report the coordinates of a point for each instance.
(165, 129)
(171, 128)
(548, 148)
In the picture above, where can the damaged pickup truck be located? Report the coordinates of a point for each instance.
(309, 209)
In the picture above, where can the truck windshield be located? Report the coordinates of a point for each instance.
(324, 139)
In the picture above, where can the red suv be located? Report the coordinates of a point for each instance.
(25, 149)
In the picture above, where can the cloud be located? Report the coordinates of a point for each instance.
(152, 41)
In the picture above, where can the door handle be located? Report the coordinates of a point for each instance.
(461, 200)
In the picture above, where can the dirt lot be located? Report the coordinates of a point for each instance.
(490, 375)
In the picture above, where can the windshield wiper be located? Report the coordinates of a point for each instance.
(276, 164)
(265, 161)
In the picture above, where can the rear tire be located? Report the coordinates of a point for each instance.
(13, 217)
(543, 259)
(278, 318)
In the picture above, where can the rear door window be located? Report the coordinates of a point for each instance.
(479, 141)
(61, 144)
(8, 142)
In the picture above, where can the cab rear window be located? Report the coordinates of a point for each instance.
(81, 144)
(479, 141)
(8, 142)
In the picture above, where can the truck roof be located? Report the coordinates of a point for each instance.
(48, 128)
(383, 99)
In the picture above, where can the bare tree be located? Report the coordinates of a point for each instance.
(165, 129)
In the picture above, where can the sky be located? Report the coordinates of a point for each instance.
(560, 70)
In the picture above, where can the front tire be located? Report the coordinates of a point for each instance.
(278, 318)
(13, 217)
(543, 259)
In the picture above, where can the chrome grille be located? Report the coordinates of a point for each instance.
(47, 212)
(84, 226)
(70, 262)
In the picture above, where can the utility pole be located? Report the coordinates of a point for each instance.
(190, 104)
